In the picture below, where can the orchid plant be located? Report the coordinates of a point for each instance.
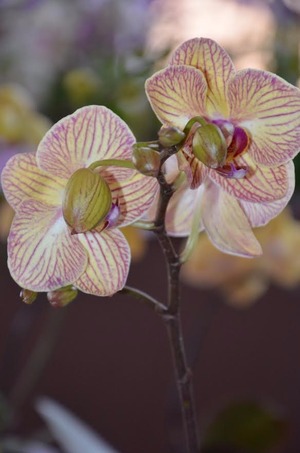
(222, 163)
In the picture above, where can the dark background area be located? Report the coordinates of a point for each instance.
(112, 367)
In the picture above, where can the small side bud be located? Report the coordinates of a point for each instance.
(209, 146)
(146, 160)
(87, 200)
(170, 136)
(28, 296)
(62, 297)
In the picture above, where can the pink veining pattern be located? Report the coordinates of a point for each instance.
(202, 81)
(43, 255)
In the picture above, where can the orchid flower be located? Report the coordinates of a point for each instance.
(243, 129)
(65, 230)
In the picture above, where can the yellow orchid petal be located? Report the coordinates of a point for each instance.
(42, 255)
(108, 263)
(268, 107)
(22, 180)
(134, 197)
(181, 210)
(177, 94)
(260, 214)
(216, 65)
(261, 183)
(226, 224)
(91, 133)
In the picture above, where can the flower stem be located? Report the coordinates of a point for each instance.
(144, 297)
(172, 319)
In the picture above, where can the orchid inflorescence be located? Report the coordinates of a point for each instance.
(234, 134)
(222, 163)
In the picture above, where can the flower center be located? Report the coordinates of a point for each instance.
(218, 144)
(87, 201)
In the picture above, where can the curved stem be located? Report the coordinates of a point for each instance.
(143, 225)
(138, 294)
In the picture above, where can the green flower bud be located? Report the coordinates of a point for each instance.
(170, 136)
(209, 146)
(62, 297)
(28, 296)
(87, 200)
(146, 160)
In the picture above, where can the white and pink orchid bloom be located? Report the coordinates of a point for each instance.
(258, 114)
(43, 255)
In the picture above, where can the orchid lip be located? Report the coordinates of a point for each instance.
(239, 143)
(112, 217)
(231, 171)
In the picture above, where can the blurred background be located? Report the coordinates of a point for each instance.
(107, 360)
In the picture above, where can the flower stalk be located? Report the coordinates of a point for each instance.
(171, 315)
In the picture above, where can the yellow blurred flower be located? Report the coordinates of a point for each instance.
(81, 85)
(136, 240)
(19, 121)
(242, 281)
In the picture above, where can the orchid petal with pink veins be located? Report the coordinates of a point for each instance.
(90, 134)
(268, 107)
(197, 171)
(216, 65)
(177, 94)
(22, 180)
(134, 197)
(260, 214)
(181, 211)
(42, 255)
(108, 263)
(226, 224)
(261, 183)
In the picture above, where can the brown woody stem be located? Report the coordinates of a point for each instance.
(172, 318)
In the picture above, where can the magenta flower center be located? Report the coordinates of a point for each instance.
(237, 143)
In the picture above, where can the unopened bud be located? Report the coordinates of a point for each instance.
(146, 160)
(87, 200)
(209, 146)
(170, 136)
(62, 297)
(28, 296)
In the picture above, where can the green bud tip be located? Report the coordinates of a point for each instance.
(87, 200)
(170, 136)
(146, 160)
(28, 296)
(209, 146)
(62, 297)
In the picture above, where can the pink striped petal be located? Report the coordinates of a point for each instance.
(134, 197)
(42, 255)
(261, 184)
(177, 94)
(216, 65)
(260, 214)
(226, 224)
(108, 264)
(268, 107)
(22, 180)
(181, 211)
(91, 133)
(195, 171)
